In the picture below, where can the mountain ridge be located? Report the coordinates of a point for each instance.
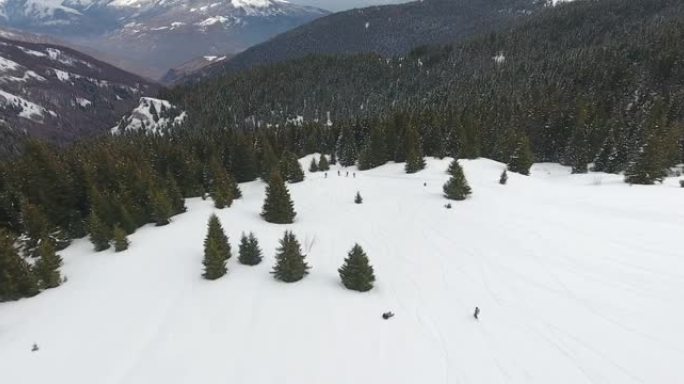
(151, 36)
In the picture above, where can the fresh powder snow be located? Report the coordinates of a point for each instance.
(579, 279)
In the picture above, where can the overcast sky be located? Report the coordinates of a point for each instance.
(339, 5)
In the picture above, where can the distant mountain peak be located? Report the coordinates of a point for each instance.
(151, 36)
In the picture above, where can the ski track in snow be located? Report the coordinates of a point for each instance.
(578, 282)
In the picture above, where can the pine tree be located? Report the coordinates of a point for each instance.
(608, 157)
(36, 227)
(126, 221)
(100, 234)
(323, 164)
(161, 208)
(175, 196)
(250, 253)
(290, 264)
(268, 161)
(414, 153)
(243, 160)
(504, 178)
(216, 250)
(216, 232)
(576, 153)
(222, 191)
(375, 152)
(333, 157)
(47, 267)
(358, 199)
(356, 272)
(347, 147)
(290, 169)
(121, 242)
(522, 158)
(457, 187)
(656, 154)
(237, 193)
(313, 167)
(647, 169)
(278, 207)
(17, 280)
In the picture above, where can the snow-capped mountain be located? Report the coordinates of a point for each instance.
(59, 94)
(151, 36)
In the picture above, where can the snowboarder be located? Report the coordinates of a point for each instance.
(476, 315)
(387, 315)
(34, 348)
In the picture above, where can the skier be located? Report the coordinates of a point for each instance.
(326, 175)
(476, 315)
(347, 175)
(34, 348)
(387, 315)
(354, 175)
(338, 172)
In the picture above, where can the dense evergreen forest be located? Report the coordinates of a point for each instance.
(597, 82)
(584, 81)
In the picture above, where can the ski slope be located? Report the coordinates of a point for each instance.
(579, 278)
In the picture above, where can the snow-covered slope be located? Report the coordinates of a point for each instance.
(580, 279)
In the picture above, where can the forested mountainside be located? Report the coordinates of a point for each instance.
(584, 81)
(388, 30)
(60, 95)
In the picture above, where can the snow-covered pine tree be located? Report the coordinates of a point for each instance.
(356, 272)
(290, 262)
(278, 207)
(250, 252)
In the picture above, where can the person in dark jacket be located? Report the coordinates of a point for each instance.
(387, 315)
(476, 315)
